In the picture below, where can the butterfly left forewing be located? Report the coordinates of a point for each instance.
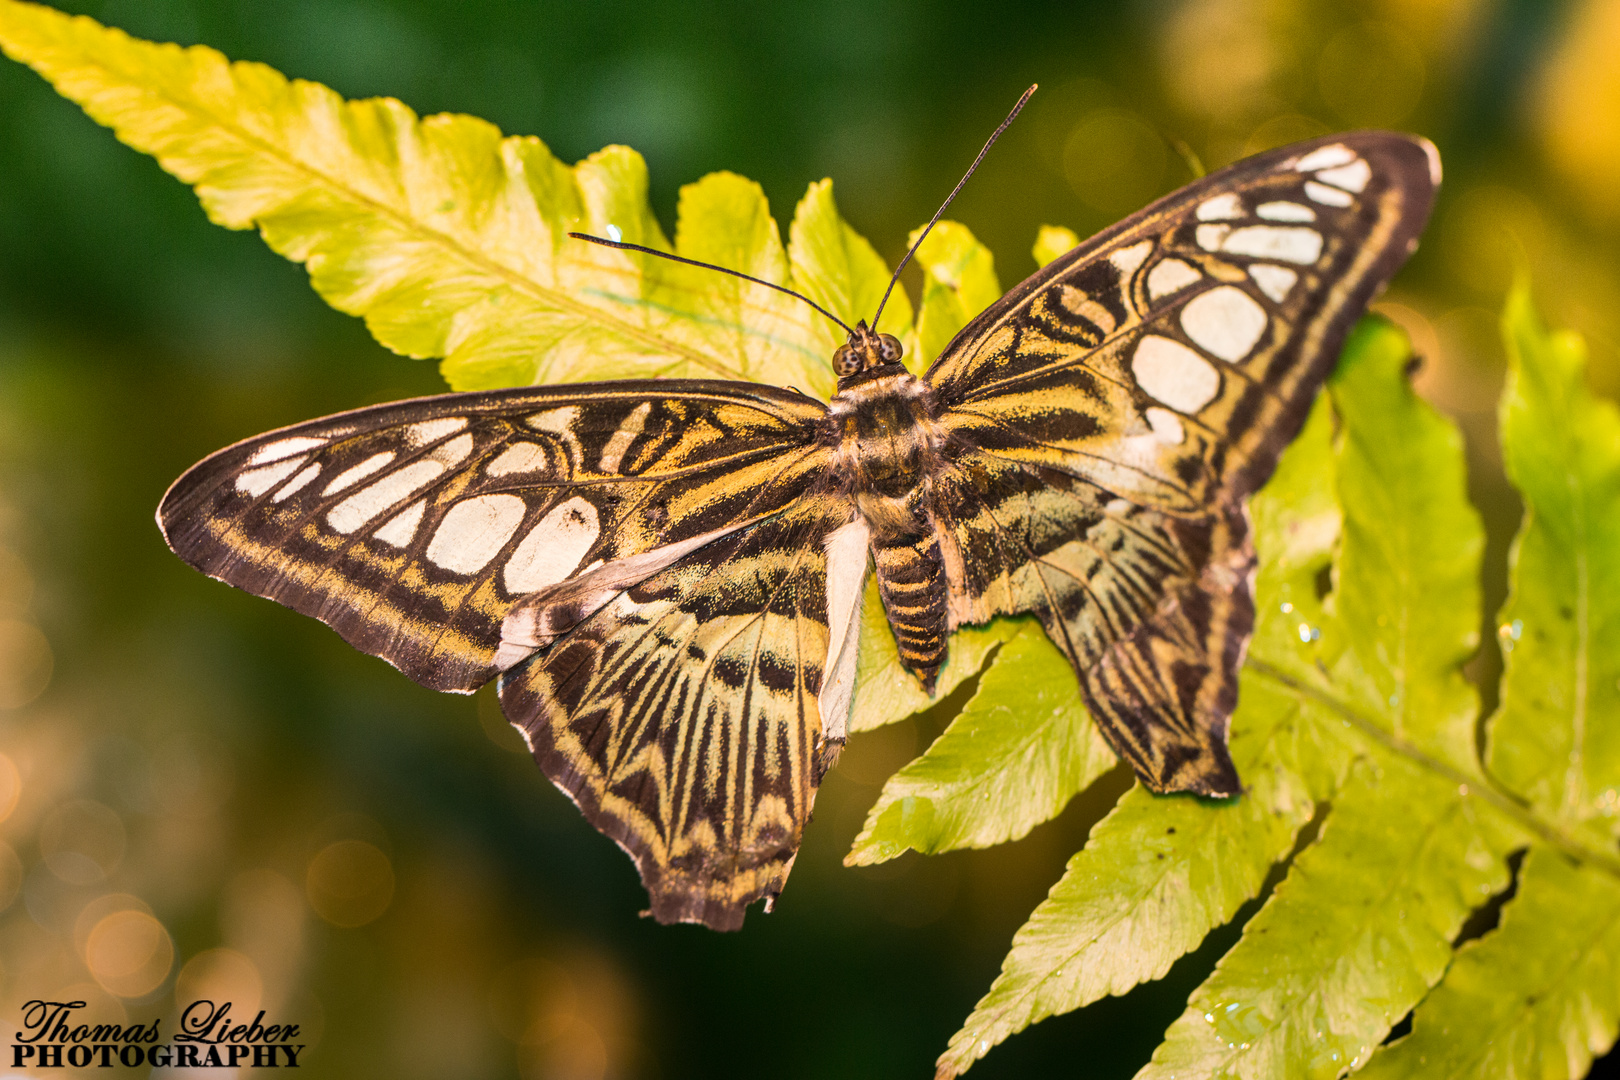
(1160, 369)
(414, 529)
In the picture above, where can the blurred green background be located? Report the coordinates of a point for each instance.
(204, 794)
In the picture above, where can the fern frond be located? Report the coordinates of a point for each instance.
(451, 240)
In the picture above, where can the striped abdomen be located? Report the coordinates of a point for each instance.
(911, 579)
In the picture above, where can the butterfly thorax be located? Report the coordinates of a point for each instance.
(888, 448)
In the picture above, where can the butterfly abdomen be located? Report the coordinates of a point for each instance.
(911, 580)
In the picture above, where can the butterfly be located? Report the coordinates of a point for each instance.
(666, 576)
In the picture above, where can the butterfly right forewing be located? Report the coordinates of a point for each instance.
(1149, 379)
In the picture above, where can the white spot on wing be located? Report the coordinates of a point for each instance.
(402, 526)
(846, 575)
(292, 486)
(613, 453)
(1128, 259)
(368, 502)
(557, 421)
(427, 431)
(281, 448)
(1210, 236)
(473, 531)
(1224, 322)
(1221, 208)
(1274, 281)
(523, 457)
(1286, 211)
(1166, 425)
(1295, 244)
(554, 547)
(356, 473)
(1325, 157)
(256, 482)
(1175, 374)
(452, 453)
(1168, 276)
(1352, 177)
(1327, 196)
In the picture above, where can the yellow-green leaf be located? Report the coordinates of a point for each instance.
(1555, 741)
(959, 281)
(1412, 539)
(1052, 241)
(1019, 750)
(449, 239)
(839, 269)
(1537, 997)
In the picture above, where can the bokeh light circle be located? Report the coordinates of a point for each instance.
(129, 953)
(82, 842)
(10, 786)
(1114, 160)
(1371, 75)
(25, 663)
(350, 883)
(11, 875)
(576, 1052)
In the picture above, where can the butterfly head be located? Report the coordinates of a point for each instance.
(866, 349)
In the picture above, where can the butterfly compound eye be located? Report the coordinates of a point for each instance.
(889, 348)
(846, 361)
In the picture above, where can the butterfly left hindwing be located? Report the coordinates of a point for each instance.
(675, 536)
(689, 717)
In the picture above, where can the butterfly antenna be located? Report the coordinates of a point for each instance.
(994, 135)
(622, 246)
